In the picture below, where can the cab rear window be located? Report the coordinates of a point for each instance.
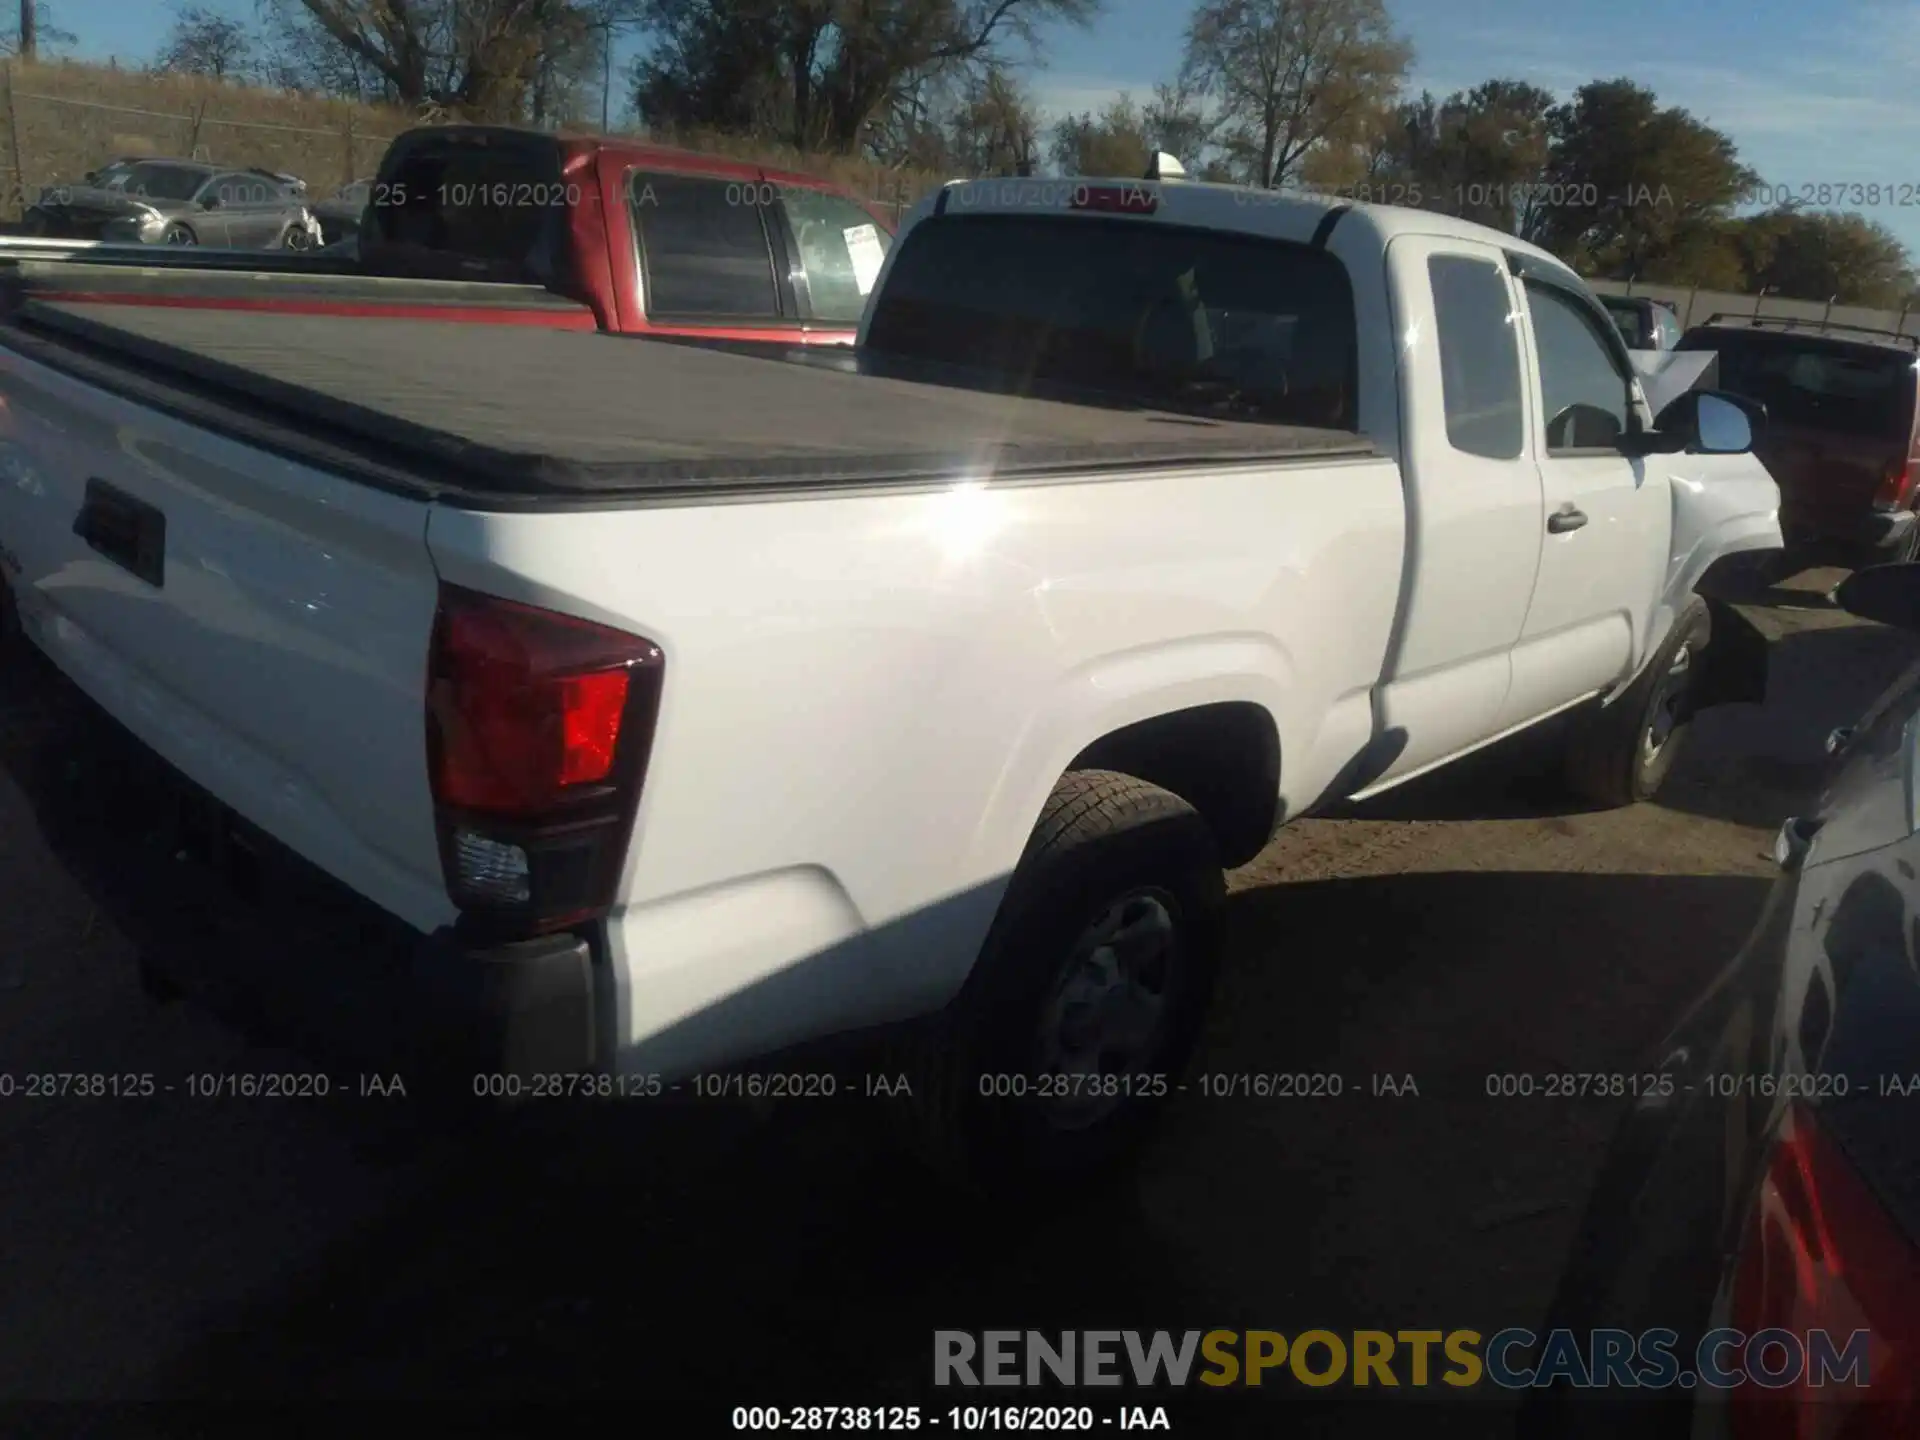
(1161, 315)
(488, 208)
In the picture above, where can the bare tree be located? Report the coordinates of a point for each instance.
(33, 32)
(821, 73)
(478, 58)
(995, 129)
(1114, 142)
(610, 18)
(1283, 75)
(204, 43)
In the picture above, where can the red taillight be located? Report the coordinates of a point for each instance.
(538, 725)
(1116, 199)
(1895, 490)
(1822, 1254)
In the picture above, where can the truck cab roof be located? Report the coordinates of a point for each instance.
(1298, 215)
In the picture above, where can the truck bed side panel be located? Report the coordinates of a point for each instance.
(868, 699)
(280, 663)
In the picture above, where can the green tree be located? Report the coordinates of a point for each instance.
(994, 129)
(1284, 76)
(1637, 189)
(1813, 255)
(1114, 142)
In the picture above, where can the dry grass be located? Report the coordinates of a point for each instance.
(64, 118)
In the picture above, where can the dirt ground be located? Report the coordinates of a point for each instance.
(697, 1259)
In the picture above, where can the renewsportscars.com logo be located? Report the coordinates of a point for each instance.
(1513, 1359)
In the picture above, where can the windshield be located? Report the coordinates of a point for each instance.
(1157, 314)
(163, 182)
(1817, 384)
(112, 176)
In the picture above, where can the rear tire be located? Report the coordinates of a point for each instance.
(1087, 1000)
(1621, 754)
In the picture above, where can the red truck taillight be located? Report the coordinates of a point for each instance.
(538, 729)
(1822, 1254)
(1895, 491)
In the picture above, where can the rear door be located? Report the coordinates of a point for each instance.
(242, 217)
(706, 254)
(1608, 518)
(256, 209)
(1473, 495)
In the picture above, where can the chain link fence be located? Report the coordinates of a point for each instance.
(55, 139)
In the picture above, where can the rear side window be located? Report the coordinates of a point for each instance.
(1479, 357)
(163, 182)
(1817, 384)
(840, 249)
(1239, 326)
(703, 248)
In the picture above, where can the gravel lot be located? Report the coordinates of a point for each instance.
(352, 1248)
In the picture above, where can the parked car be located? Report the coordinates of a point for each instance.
(1645, 323)
(673, 706)
(1767, 1176)
(1843, 434)
(178, 202)
(577, 232)
(339, 214)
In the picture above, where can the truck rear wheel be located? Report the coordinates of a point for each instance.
(1622, 754)
(1087, 999)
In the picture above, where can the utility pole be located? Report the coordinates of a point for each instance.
(28, 40)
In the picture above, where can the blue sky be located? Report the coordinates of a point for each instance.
(1824, 92)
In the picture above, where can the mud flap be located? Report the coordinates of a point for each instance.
(1733, 671)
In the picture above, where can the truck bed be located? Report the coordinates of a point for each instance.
(497, 417)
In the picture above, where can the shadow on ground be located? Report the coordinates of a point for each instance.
(1749, 764)
(705, 1261)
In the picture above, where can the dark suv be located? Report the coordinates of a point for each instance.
(1841, 440)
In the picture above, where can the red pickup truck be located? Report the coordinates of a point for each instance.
(504, 225)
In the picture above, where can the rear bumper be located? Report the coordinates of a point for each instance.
(1879, 532)
(1885, 531)
(205, 897)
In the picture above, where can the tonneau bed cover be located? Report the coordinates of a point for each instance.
(511, 418)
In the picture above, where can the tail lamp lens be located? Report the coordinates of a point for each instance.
(538, 725)
(1896, 486)
(1822, 1255)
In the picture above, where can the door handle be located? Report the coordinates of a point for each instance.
(129, 532)
(1561, 521)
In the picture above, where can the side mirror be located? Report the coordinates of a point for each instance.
(1708, 422)
(1889, 594)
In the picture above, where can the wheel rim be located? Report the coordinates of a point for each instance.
(298, 239)
(1668, 706)
(1106, 1013)
(179, 237)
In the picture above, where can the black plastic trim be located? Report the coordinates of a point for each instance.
(1324, 230)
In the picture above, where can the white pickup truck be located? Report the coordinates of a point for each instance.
(679, 705)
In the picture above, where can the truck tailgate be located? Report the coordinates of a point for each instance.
(261, 624)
